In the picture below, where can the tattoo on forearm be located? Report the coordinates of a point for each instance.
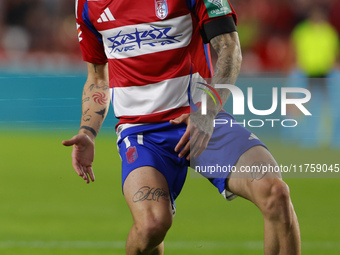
(87, 118)
(99, 125)
(228, 65)
(104, 87)
(102, 113)
(89, 129)
(100, 98)
(229, 56)
(92, 86)
(85, 100)
(147, 193)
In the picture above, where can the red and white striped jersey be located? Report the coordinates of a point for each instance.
(154, 48)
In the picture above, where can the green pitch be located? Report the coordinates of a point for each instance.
(47, 209)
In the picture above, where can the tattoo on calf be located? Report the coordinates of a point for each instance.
(150, 194)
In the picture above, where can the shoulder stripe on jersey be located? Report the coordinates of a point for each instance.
(87, 21)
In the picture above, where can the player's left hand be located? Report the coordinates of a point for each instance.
(197, 135)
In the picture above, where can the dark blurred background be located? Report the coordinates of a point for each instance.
(46, 209)
(38, 34)
(296, 40)
(42, 33)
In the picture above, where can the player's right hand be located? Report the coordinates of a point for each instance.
(82, 155)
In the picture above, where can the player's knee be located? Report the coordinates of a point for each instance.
(152, 232)
(276, 204)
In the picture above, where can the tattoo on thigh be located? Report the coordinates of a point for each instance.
(150, 194)
(257, 171)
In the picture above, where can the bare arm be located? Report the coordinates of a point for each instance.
(96, 100)
(95, 104)
(227, 69)
(228, 66)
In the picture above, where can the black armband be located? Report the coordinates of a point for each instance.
(217, 27)
(89, 129)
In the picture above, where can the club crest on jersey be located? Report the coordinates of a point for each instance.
(161, 9)
(131, 154)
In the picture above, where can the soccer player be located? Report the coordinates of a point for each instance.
(146, 56)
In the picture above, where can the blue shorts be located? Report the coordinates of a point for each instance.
(153, 145)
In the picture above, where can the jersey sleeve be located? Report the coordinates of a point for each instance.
(215, 17)
(90, 40)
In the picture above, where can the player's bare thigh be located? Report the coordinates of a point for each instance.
(255, 172)
(147, 195)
